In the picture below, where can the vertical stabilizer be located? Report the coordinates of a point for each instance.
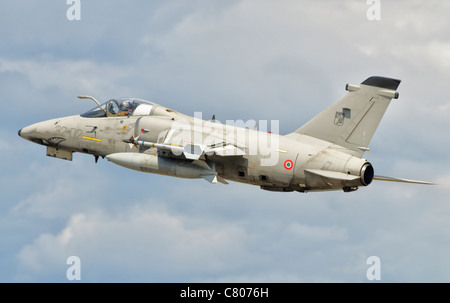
(352, 120)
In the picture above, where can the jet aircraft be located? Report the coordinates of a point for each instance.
(326, 153)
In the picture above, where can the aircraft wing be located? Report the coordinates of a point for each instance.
(191, 145)
(194, 144)
(227, 149)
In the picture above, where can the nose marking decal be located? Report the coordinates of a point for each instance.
(90, 138)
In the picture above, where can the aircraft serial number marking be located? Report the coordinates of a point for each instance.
(66, 131)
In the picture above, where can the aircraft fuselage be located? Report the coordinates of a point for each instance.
(323, 154)
(286, 167)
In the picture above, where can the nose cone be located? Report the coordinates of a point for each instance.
(28, 132)
(43, 132)
(35, 133)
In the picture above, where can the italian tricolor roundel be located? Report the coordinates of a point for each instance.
(288, 164)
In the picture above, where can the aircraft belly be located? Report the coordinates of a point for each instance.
(251, 170)
(281, 173)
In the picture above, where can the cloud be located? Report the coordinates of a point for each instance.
(317, 233)
(244, 236)
(60, 188)
(150, 243)
(68, 75)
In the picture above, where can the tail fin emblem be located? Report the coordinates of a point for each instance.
(339, 119)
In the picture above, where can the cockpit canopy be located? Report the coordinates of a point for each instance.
(121, 107)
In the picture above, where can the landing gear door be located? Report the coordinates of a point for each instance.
(59, 153)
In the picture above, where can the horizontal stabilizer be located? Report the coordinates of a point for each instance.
(332, 174)
(391, 179)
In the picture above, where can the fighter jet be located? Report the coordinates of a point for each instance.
(326, 153)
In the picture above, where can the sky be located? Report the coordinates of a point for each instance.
(238, 59)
